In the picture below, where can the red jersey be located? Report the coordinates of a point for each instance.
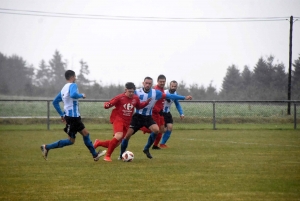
(124, 107)
(159, 105)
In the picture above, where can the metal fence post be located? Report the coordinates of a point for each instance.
(295, 116)
(214, 115)
(48, 115)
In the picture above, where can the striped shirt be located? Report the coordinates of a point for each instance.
(69, 95)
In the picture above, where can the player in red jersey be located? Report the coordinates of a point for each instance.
(157, 113)
(120, 117)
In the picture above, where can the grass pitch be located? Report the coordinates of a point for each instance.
(199, 165)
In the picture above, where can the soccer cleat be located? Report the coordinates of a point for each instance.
(107, 158)
(163, 146)
(100, 153)
(119, 158)
(155, 147)
(147, 153)
(44, 151)
(96, 143)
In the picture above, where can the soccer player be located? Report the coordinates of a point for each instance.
(143, 117)
(69, 95)
(157, 113)
(120, 117)
(167, 114)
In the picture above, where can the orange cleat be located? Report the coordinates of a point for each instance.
(163, 146)
(96, 143)
(107, 159)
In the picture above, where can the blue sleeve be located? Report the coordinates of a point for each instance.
(55, 103)
(159, 94)
(175, 97)
(74, 92)
(178, 106)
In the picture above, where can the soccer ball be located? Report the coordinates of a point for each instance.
(127, 156)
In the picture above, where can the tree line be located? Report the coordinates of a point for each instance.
(267, 81)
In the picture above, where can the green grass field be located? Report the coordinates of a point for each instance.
(255, 164)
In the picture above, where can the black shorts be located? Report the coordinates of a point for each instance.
(73, 125)
(138, 121)
(168, 118)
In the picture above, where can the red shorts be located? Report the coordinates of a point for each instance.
(120, 126)
(160, 120)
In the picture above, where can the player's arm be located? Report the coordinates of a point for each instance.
(73, 92)
(176, 97)
(111, 103)
(179, 108)
(56, 102)
(141, 105)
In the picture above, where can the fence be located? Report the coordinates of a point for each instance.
(213, 113)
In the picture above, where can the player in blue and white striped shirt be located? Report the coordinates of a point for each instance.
(167, 114)
(69, 95)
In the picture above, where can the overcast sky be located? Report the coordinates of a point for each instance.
(123, 49)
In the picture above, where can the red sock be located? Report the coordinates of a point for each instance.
(104, 143)
(157, 139)
(112, 145)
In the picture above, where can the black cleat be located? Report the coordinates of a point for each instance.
(147, 153)
(155, 147)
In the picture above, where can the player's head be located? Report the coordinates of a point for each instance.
(173, 86)
(70, 75)
(148, 81)
(161, 81)
(129, 89)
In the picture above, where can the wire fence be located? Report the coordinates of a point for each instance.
(211, 113)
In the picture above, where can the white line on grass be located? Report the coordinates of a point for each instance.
(248, 143)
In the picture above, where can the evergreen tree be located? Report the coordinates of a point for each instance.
(246, 87)
(44, 75)
(181, 89)
(231, 87)
(211, 92)
(58, 68)
(83, 73)
(296, 80)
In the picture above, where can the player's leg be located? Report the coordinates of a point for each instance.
(156, 118)
(166, 136)
(169, 126)
(45, 148)
(161, 125)
(119, 130)
(99, 143)
(112, 145)
(88, 143)
(155, 129)
(124, 143)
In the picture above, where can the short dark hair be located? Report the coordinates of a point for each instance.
(148, 78)
(173, 81)
(69, 74)
(130, 85)
(161, 77)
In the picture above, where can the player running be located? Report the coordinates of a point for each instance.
(69, 94)
(143, 117)
(120, 117)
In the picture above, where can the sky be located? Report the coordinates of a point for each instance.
(124, 41)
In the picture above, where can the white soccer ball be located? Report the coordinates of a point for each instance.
(127, 156)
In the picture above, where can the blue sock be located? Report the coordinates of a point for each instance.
(124, 146)
(89, 145)
(166, 136)
(59, 144)
(150, 142)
